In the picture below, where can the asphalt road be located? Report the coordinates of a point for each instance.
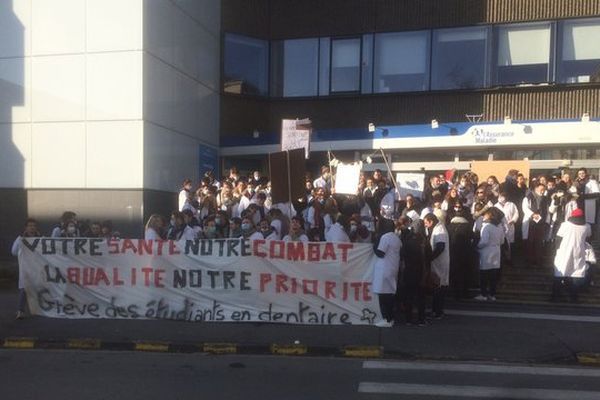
(35, 374)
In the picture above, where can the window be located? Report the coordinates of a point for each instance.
(459, 58)
(245, 65)
(367, 64)
(324, 65)
(401, 62)
(523, 54)
(580, 52)
(295, 69)
(345, 65)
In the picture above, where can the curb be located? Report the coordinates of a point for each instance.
(592, 359)
(282, 349)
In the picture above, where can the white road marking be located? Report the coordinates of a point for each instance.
(520, 315)
(476, 391)
(483, 368)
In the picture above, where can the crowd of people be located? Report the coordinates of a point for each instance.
(457, 231)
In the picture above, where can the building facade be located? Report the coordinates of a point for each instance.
(105, 107)
(399, 64)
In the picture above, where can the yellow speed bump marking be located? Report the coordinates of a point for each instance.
(19, 343)
(588, 358)
(220, 348)
(363, 351)
(84, 344)
(152, 346)
(289, 349)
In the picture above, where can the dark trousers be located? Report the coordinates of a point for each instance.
(573, 286)
(488, 280)
(414, 296)
(22, 300)
(386, 305)
(439, 296)
(535, 243)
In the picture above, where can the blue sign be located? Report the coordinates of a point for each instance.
(209, 160)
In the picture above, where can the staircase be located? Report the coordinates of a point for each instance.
(524, 283)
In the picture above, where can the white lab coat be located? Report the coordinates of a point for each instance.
(570, 256)
(15, 252)
(527, 213)
(336, 233)
(183, 196)
(590, 204)
(151, 234)
(301, 238)
(385, 271)
(441, 265)
(511, 213)
(492, 237)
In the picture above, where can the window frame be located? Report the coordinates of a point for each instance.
(559, 49)
(428, 52)
(332, 39)
(495, 68)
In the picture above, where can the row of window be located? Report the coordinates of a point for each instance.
(443, 59)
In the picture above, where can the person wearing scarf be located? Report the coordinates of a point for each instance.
(296, 233)
(535, 211)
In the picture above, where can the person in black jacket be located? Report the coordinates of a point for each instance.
(460, 232)
(415, 254)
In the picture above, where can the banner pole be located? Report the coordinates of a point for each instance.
(287, 158)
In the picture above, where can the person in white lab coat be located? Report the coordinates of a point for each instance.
(337, 231)
(296, 233)
(154, 228)
(385, 271)
(440, 261)
(31, 230)
(511, 215)
(249, 230)
(589, 193)
(185, 195)
(492, 238)
(569, 263)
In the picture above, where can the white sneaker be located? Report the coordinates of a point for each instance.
(480, 298)
(491, 298)
(384, 324)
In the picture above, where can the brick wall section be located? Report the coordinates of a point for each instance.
(281, 19)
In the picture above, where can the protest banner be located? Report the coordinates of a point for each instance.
(203, 280)
(410, 183)
(347, 177)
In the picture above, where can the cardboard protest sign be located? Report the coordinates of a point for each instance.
(204, 280)
(499, 169)
(286, 170)
(295, 134)
(410, 183)
(347, 177)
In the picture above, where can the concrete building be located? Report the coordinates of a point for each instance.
(399, 64)
(105, 107)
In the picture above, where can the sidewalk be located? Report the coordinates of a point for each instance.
(470, 331)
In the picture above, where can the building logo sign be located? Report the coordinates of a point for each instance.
(483, 136)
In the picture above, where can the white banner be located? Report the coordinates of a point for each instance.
(295, 134)
(206, 280)
(410, 183)
(347, 177)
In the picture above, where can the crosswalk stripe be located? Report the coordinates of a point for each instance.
(483, 368)
(517, 315)
(476, 391)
